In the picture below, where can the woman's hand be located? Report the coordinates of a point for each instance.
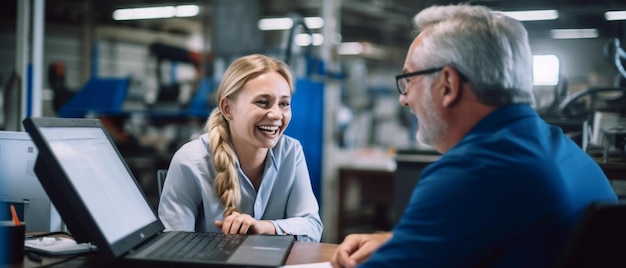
(237, 223)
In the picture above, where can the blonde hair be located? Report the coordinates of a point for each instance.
(242, 70)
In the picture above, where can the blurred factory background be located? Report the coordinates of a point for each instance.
(150, 80)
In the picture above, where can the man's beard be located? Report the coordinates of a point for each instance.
(431, 128)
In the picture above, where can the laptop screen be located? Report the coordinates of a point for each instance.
(89, 182)
(100, 178)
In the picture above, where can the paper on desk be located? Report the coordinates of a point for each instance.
(57, 246)
(309, 265)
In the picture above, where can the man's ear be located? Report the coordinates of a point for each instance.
(453, 86)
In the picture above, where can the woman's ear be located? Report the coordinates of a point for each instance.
(226, 108)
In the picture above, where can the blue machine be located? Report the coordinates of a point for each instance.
(105, 96)
(98, 95)
(307, 126)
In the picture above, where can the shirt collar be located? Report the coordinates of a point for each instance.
(270, 154)
(268, 164)
(502, 115)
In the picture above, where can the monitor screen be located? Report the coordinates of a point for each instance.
(100, 179)
(19, 185)
(89, 182)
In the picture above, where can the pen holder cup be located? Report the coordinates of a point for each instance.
(11, 242)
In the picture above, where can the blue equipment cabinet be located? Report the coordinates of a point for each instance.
(307, 126)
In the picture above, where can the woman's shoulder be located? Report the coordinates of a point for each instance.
(194, 148)
(192, 156)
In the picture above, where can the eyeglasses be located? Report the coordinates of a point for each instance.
(402, 79)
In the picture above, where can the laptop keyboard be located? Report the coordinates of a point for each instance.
(200, 246)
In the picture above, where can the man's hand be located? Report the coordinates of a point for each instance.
(357, 248)
(237, 223)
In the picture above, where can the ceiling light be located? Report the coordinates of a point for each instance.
(270, 24)
(305, 39)
(187, 11)
(532, 15)
(275, 24)
(155, 12)
(314, 22)
(350, 48)
(362, 49)
(573, 33)
(615, 15)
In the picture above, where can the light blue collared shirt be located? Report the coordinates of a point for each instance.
(285, 197)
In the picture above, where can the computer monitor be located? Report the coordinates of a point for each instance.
(19, 184)
(92, 187)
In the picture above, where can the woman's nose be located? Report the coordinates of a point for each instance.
(275, 112)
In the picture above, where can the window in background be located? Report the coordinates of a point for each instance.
(545, 70)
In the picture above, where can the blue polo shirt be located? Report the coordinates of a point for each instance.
(507, 195)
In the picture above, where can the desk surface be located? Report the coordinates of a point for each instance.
(301, 253)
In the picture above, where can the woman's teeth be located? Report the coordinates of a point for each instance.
(269, 129)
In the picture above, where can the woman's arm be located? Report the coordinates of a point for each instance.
(180, 198)
(302, 210)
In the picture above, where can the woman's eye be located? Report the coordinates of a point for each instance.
(262, 102)
(284, 104)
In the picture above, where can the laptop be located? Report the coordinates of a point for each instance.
(101, 202)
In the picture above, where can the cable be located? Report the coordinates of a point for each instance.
(33, 256)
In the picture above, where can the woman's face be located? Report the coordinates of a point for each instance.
(260, 112)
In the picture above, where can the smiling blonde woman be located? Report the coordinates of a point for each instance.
(244, 175)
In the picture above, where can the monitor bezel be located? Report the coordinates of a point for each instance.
(65, 197)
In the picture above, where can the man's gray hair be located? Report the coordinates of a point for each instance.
(490, 49)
